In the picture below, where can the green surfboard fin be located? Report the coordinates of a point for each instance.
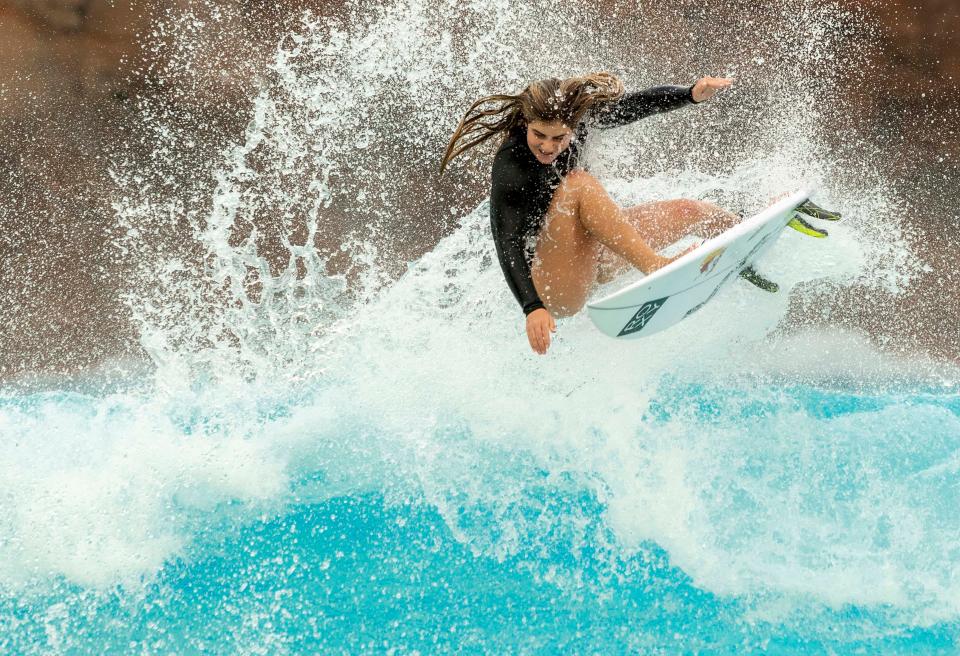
(750, 275)
(814, 211)
(800, 225)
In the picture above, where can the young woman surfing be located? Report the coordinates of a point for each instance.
(551, 218)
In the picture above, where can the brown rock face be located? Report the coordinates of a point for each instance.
(71, 48)
(72, 69)
(61, 15)
(923, 37)
(916, 69)
(54, 119)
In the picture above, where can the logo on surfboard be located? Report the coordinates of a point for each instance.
(710, 262)
(643, 316)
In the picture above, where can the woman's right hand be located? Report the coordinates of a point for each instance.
(540, 324)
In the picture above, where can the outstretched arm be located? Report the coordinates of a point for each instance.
(640, 104)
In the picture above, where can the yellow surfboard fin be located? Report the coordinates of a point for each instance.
(802, 226)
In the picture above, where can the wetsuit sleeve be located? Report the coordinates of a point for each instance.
(640, 104)
(508, 219)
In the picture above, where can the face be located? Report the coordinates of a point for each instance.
(548, 140)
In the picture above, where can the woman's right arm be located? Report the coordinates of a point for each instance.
(509, 240)
(516, 269)
(508, 218)
(508, 221)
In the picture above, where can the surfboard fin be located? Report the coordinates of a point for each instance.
(750, 275)
(802, 226)
(814, 211)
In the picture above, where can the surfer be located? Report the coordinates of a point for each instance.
(552, 220)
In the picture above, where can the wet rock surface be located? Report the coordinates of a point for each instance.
(73, 70)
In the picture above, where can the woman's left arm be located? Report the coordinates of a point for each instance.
(640, 104)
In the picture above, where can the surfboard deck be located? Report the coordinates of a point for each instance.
(669, 295)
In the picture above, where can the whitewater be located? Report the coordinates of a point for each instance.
(333, 446)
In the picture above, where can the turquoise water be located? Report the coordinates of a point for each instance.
(833, 532)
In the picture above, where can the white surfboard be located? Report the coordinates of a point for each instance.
(679, 289)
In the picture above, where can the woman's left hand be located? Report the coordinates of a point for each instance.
(707, 87)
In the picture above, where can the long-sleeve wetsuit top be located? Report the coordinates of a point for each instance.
(522, 187)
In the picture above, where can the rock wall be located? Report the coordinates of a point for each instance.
(72, 72)
(64, 64)
(917, 70)
(71, 68)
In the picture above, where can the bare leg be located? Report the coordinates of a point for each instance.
(580, 218)
(662, 223)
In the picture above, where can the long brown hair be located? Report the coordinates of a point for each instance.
(547, 100)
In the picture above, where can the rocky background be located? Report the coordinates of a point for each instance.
(72, 70)
(71, 76)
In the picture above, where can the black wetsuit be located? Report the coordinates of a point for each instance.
(522, 187)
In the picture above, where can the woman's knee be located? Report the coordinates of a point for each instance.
(568, 198)
(580, 177)
(579, 182)
(590, 198)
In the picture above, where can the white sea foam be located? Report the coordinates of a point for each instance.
(95, 490)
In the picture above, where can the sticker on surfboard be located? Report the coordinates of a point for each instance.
(642, 317)
(710, 262)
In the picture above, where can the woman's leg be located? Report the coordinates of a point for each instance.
(582, 216)
(662, 223)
